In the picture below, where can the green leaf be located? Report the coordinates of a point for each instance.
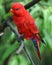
(9, 51)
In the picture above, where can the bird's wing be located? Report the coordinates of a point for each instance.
(34, 30)
(32, 27)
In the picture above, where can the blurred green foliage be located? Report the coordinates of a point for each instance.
(42, 13)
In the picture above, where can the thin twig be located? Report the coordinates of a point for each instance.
(18, 36)
(28, 55)
(21, 42)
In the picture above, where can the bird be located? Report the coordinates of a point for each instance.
(26, 25)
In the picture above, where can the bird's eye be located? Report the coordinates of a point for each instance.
(17, 8)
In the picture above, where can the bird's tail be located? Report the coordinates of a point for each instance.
(39, 55)
(38, 36)
(37, 47)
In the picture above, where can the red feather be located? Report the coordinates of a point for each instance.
(25, 23)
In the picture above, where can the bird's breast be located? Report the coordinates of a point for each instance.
(18, 19)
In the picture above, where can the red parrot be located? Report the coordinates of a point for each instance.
(26, 25)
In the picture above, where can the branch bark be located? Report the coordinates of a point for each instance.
(33, 2)
(21, 42)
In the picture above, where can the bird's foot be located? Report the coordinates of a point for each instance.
(22, 36)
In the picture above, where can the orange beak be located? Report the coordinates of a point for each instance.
(11, 11)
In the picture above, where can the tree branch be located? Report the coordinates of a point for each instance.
(33, 2)
(18, 36)
(28, 55)
(21, 42)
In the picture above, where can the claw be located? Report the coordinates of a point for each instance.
(22, 36)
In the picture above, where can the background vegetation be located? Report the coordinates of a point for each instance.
(42, 13)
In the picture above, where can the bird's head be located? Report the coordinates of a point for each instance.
(17, 9)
